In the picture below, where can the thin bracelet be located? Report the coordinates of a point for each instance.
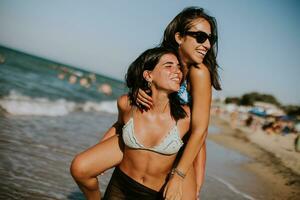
(179, 173)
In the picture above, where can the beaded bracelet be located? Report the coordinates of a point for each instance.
(179, 173)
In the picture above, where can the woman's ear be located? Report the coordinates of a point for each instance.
(147, 75)
(178, 38)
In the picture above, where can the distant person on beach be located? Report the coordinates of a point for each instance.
(193, 34)
(249, 120)
(105, 88)
(234, 118)
(72, 79)
(297, 143)
(61, 76)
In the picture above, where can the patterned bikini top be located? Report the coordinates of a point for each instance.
(184, 95)
(170, 144)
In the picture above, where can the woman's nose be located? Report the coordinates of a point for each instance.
(207, 44)
(176, 69)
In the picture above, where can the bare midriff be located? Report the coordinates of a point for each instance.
(146, 167)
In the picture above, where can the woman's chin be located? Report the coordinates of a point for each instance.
(173, 88)
(176, 89)
(198, 59)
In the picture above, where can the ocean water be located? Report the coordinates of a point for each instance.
(47, 116)
(45, 121)
(31, 86)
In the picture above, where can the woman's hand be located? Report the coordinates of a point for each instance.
(144, 99)
(173, 189)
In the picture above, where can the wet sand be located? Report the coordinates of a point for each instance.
(280, 181)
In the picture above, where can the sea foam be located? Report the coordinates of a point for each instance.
(19, 104)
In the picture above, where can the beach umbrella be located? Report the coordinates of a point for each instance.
(258, 112)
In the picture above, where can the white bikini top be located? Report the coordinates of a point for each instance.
(168, 146)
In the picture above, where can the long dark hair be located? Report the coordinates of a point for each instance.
(135, 80)
(182, 23)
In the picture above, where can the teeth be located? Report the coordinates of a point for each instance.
(201, 52)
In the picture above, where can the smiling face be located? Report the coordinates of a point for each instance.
(190, 51)
(166, 75)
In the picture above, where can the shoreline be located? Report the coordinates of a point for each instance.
(273, 167)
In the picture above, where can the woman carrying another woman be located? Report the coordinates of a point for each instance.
(193, 34)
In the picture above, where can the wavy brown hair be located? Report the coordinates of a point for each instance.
(135, 80)
(182, 23)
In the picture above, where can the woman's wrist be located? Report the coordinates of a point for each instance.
(178, 172)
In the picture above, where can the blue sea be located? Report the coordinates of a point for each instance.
(49, 112)
(35, 86)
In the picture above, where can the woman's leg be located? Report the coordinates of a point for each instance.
(87, 165)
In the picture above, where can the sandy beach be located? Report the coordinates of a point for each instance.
(272, 157)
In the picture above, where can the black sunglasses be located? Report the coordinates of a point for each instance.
(201, 36)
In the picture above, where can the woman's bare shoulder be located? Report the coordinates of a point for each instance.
(200, 80)
(201, 71)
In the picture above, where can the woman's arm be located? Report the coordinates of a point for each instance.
(201, 92)
(199, 166)
(116, 128)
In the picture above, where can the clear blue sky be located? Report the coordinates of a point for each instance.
(259, 46)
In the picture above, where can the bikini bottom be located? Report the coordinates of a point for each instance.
(123, 187)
